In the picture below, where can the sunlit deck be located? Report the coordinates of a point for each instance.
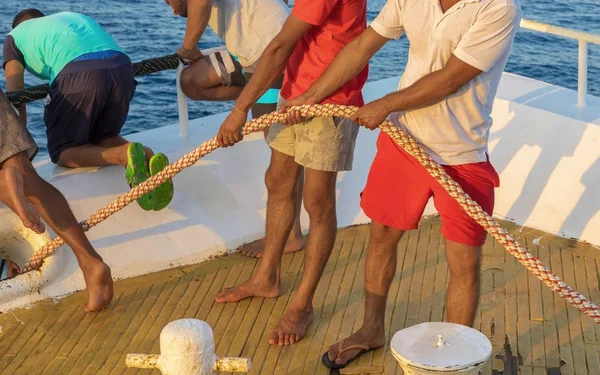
(532, 329)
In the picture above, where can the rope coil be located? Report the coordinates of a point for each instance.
(144, 67)
(530, 261)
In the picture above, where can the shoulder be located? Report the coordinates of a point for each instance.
(510, 8)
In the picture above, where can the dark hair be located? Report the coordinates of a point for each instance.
(25, 15)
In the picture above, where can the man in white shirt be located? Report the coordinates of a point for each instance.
(458, 51)
(246, 27)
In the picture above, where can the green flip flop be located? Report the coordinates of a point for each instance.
(164, 193)
(137, 172)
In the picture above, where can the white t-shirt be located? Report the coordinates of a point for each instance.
(478, 32)
(247, 26)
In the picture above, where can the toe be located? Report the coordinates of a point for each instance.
(221, 296)
(274, 339)
(39, 228)
(333, 353)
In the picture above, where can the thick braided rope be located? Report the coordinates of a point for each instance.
(144, 67)
(530, 261)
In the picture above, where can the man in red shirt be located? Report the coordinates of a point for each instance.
(311, 37)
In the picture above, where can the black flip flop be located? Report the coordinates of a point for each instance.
(332, 365)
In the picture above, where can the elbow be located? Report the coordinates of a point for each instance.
(452, 86)
(203, 5)
(278, 48)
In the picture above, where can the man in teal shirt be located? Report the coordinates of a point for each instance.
(91, 86)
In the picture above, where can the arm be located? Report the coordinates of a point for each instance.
(348, 63)
(15, 80)
(432, 88)
(353, 57)
(272, 62)
(269, 68)
(485, 43)
(198, 14)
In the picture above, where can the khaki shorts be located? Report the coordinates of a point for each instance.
(322, 143)
(14, 136)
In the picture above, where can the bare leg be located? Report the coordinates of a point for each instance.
(109, 151)
(319, 198)
(380, 267)
(281, 180)
(12, 194)
(295, 240)
(200, 81)
(462, 295)
(56, 212)
(92, 156)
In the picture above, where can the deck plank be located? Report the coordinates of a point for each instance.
(574, 319)
(324, 306)
(389, 361)
(499, 297)
(538, 357)
(531, 328)
(560, 311)
(551, 349)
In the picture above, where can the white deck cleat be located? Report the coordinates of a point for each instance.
(187, 347)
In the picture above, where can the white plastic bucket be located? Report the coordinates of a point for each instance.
(440, 349)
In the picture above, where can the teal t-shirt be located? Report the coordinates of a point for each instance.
(51, 42)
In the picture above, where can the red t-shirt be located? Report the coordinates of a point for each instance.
(336, 23)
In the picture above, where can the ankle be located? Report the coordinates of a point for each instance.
(91, 263)
(122, 156)
(269, 279)
(373, 327)
(302, 302)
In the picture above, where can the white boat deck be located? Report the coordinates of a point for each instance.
(545, 148)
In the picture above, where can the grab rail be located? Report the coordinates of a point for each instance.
(582, 37)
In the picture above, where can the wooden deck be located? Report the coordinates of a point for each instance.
(531, 328)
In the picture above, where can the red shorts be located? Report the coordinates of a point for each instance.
(398, 189)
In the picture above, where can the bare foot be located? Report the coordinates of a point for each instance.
(373, 338)
(16, 200)
(256, 248)
(99, 286)
(292, 327)
(250, 288)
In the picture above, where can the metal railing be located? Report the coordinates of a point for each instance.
(582, 37)
(182, 106)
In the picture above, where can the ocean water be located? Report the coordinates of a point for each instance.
(147, 28)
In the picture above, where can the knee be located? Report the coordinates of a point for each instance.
(62, 163)
(279, 184)
(383, 236)
(318, 203)
(466, 265)
(63, 160)
(29, 170)
(190, 85)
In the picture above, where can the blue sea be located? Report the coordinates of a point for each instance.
(147, 28)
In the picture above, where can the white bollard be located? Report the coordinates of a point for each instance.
(187, 347)
(440, 349)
